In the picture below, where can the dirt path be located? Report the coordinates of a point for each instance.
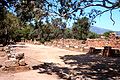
(35, 54)
(40, 53)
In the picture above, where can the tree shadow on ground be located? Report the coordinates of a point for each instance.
(94, 67)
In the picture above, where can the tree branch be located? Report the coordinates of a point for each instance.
(111, 17)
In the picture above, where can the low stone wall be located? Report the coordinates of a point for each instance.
(102, 42)
(73, 43)
(96, 42)
(66, 42)
(29, 42)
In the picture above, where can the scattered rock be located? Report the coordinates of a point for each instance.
(67, 46)
(5, 48)
(76, 47)
(72, 78)
(41, 70)
(3, 68)
(7, 51)
(49, 71)
(55, 69)
(13, 59)
(22, 62)
(9, 55)
(63, 75)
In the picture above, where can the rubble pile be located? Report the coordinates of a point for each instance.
(15, 60)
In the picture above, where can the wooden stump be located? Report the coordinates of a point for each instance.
(91, 50)
(107, 51)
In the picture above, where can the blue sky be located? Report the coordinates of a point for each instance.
(104, 21)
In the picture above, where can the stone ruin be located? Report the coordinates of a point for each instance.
(30, 42)
(112, 41)
(15, 60)
(70, 44)
(83, 46)
(65, 42)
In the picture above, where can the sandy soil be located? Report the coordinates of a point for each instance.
(36, 54)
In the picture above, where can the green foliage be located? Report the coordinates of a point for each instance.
(56, 22)
(106, 34)
(22, 33)
(68, 33)
(42, 32)
(45, 32)
(7, 27)
(11, 28)
(93, 35)
(80, 28)
(28, 10)
(56, 32)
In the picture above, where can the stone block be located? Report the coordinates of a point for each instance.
(11, 63)
(9, 55)
(13, 56)
(75, 46)
(19, 56)
(67, 46)
(22, 62)
(13, 59)
(7, 51)
(4, 48)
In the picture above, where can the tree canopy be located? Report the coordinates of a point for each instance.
(81, 28)
(30, 9)
(107, 34)
(47, 17)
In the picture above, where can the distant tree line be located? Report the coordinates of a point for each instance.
(12, 28)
